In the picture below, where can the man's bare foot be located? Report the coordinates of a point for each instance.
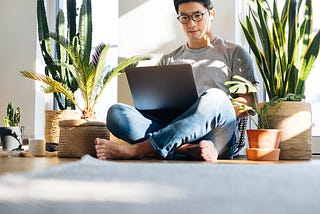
(205, 150)
(107, 150)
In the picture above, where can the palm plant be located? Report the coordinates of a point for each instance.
(91, 76)
(90, 71)
(283, 46)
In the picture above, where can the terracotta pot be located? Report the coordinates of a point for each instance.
(264, 138)
(264, 144)
(263, 154)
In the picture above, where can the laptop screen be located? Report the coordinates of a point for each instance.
(168, 88)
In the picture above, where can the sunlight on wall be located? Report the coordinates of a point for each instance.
(147, 28)
(105, 29)
(152, 27)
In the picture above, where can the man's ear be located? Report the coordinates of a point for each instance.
(212, 13)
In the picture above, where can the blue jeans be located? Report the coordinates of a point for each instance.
(212, 117)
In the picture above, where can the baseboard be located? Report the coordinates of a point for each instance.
(316, 145)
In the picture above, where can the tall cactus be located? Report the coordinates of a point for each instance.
(85, 30)
(54, 59)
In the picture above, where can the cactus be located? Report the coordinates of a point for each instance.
(54, 60)
(13, 116)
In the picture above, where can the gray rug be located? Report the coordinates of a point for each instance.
(94, 186)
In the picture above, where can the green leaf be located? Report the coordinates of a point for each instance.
(249, 34)
(307, 62)
(292, 30)
(241, 86)
(100, 56)
(51, 85)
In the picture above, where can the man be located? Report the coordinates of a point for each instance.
(208, 129)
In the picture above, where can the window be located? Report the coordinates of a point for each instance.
(312, 85)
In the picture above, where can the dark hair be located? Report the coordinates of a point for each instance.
(206, 3)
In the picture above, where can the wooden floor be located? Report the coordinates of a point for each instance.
(31, 164)
(26, 164)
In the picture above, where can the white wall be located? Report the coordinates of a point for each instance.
(150, 26)
(18, 51)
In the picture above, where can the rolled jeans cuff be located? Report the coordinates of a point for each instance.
(159, 151)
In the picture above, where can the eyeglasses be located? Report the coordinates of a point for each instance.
(184, 18)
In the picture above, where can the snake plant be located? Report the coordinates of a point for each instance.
(283, 45)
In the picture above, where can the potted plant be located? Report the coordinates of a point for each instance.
(54, 55)
(263, 142)
(285, 50)
(92, 75)
(11, 133)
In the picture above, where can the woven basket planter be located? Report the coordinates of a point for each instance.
(294, 119)
(77, 137)
(53, 117)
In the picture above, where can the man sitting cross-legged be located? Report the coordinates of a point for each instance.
(208, 129)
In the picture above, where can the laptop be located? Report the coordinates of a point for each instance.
(162, 92)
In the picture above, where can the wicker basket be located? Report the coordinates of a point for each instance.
(77, 137)
(53, 117)
(294, 119)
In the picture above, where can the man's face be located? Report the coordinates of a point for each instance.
(194, 29)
